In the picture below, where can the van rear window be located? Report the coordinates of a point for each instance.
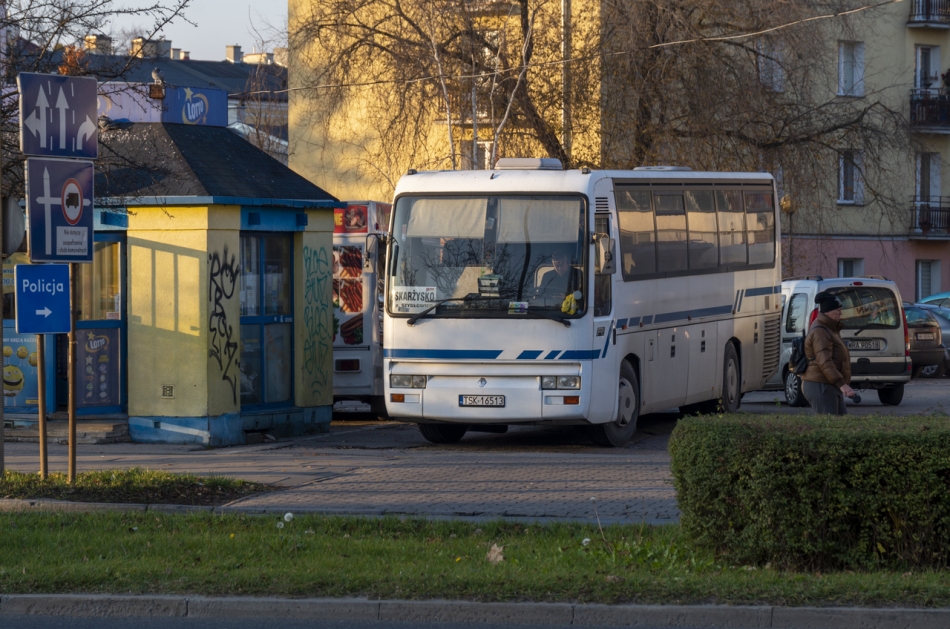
(868, 306)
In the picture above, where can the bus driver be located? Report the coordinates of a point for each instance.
(561, 281)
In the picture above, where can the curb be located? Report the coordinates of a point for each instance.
(542, 614)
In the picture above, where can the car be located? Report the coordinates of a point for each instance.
(873, 328)
(926, 338)
(940, 299)
(942, 315)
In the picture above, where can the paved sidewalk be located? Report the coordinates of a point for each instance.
(379, 469)
(441, 611)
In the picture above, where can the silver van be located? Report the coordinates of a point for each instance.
(874, 330)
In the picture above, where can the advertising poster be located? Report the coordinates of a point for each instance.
(20, 377)
(350, 220)
(348, 303)
(97, 357)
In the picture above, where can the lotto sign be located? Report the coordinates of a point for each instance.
(59, 206)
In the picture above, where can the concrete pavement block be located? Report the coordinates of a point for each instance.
(16, 505)
(179, 509)
(311, 608)
(103, 606)
(859, 618)
(544, 614)
(706, 616)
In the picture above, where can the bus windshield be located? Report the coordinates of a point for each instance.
(488, 256)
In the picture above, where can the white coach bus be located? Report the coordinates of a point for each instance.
(532, 294)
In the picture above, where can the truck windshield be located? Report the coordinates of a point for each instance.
(488, 256)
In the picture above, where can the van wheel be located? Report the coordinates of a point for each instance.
(443, 433)
(731, 380)
(794, 395)
(891, 396)
(618, 432)
(377, 406)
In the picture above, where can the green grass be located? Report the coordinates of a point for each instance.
(130, 486)
(393, 558)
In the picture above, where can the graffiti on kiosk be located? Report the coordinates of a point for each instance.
(223, 274)
(317, 317)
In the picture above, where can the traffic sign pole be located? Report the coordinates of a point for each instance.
(41, 392)
(72, 374)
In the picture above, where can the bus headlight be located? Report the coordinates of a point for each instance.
(548, 382)
(569, 382)
(404, 381)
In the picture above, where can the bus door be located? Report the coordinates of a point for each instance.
(606, 357)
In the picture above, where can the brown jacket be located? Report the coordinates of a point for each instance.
(829, 360)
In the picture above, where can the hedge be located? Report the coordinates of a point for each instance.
(816, 492)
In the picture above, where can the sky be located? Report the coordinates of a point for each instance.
(220, 23)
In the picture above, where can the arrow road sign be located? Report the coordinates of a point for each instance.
(59, 205)
(58, 115)
(42, 298)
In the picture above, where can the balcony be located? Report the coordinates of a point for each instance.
(930, 110)
(930, 218)
(929, 14)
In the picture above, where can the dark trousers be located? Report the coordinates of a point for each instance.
(825, 399)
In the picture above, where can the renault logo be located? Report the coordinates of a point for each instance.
(482, 382)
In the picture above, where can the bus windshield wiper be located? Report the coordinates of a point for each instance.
(412, 320)
(540, 315)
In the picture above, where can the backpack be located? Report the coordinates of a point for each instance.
(797, 362)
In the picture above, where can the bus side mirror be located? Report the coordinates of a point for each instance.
(605, 260)
(370, 253)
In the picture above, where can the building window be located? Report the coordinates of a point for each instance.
(850, 68)
(850, 267)
(850, 181)
(769, 57)
(266, 319)
(926, 64)
(928, 279)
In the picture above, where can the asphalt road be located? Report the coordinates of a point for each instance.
(74, 622)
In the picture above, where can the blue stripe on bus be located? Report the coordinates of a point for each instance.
(633, 321)
(735, 303)
(621, 323)
(765, 290)
(489, 354)
(529, 354)
(683, 315)
(552, 355)
(610, 330)
(580, 355)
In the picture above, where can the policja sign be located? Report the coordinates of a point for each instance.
(42, 298)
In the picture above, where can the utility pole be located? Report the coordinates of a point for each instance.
(566, 78)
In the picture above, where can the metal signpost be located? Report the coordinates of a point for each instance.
(58, 118)
(42, 299)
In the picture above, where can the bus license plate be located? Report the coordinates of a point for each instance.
(871, 345)
(481, 400)
(925, 337)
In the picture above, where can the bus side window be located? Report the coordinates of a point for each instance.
(637, 232)
(761, 226)
(671, 247)
(732, 242)
(703, 235)
(602, 282)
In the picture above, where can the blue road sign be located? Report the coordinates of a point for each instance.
(59, 209)
(42, 298)
(58, 116)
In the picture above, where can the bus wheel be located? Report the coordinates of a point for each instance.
(443, 433)
(731, 380)
(618, 432)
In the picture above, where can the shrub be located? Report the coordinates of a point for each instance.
(816, 492)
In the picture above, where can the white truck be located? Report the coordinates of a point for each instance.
(358, 246)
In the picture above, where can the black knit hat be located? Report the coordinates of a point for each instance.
(826, 301)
